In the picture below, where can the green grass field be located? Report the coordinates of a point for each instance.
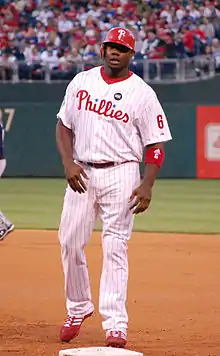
(185, 206)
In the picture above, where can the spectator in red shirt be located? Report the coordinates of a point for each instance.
(71, 13)
(10, 15)
(188, 41)
(199, 33)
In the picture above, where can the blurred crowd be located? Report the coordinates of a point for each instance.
(65, 36)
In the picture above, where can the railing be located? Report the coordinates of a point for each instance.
(179, 70)
(152, 71)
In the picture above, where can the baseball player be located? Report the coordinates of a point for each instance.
(5, 225)
(107, 118)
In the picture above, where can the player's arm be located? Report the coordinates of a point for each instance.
(153, 161)
(141, 197)
(64, 140)
(154, 132)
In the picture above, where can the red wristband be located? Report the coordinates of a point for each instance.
(154, 155)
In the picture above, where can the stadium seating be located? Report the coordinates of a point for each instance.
(56, 39)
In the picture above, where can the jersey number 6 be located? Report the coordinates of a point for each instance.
(160, 121)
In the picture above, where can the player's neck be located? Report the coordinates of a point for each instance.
(116, 73)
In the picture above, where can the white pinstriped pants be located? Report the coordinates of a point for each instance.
(2, 166)
(108, 193)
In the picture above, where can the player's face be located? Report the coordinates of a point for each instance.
(117, 56)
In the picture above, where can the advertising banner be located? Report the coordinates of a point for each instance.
(208, 142)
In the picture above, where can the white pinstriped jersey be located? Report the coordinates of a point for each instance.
(112, 122)
(1, 141)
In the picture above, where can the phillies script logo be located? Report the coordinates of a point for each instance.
(102, 107)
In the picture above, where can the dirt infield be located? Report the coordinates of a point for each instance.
(173, 300)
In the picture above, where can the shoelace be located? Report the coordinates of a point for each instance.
(72, 320)
(2, 224)
(119, 334)
(69, 321)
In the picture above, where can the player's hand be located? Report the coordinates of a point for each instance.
(140, 199)
(74, 174)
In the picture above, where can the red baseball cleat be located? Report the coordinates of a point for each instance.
(71, 327)
(116, 339)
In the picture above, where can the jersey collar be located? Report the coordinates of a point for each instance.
(110, 80)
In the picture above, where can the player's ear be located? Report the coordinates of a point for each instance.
(102, 51)
(132, 54)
